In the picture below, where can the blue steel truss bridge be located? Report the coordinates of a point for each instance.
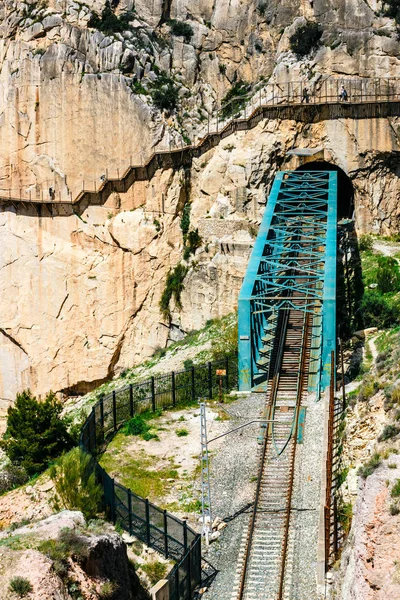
(287, 340)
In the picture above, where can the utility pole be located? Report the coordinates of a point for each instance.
(205, 468)
(205, 476)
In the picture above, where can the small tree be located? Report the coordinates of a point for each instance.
(75, 483)
(305, 38)
(388, 276)
(36, 433)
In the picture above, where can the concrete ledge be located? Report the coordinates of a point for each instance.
(160, 591)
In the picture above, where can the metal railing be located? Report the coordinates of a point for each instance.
(231, 117)
(156, 527)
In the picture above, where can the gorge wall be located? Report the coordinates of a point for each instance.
(80, 295)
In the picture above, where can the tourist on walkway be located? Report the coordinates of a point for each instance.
(306, 96)
(343, 94)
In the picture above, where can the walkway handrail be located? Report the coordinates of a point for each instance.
(323, 92)
(156, 527)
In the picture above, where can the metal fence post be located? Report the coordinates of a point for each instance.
(185, 543)
(130, 511)
(177, 595)
(94, 429)
(173, 388)
(210, 393)
(189, 572)
(131, 400)
(114, 410)
(193, 383)
(147, 522)
(227, 374)
(102, 414)
(112, 501)
(165, 534)
(153, 395)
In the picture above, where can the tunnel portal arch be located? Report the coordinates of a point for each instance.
(345, 204)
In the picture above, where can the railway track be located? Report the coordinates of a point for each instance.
(265, 564)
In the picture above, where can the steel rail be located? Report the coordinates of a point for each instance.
(300, 389)
(282, 333)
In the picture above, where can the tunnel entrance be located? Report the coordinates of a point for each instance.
(345, 204)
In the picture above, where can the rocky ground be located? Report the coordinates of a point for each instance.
(62, 557)
(368, 567)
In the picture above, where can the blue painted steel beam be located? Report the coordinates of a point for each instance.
(292, 267)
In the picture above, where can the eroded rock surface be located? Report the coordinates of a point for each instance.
(91, 558)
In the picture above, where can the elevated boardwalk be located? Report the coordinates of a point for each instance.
(367, 99)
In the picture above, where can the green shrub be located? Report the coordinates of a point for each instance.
(377, 311)
(21, 586)
(155, 571)
(182, 432)
(226, 342)
(136, 426)
(388, 432)
(185, 219)
(235, 99)
(370, 466)
(391, 9)
(368, 388)
(366, 242)
(12, 476)
(394, 509)
(193, 241)
(75, 483)
(108, 590)
(173, 288)
(395, 493)
(388, 275)
(181, 29)
(36, 433)
(109, 22)
(345, 515)
(305, 38)
(164, 93)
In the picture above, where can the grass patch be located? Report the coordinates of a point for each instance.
(369, 467)
(21, 586)
(388, 432)
(395, 493)
(154, 571)
(345, 515)
(182, 432)
(143, 474)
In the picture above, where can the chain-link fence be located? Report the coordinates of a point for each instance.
(156, 527)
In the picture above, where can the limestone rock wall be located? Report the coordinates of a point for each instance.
(71, 106)
(87, 289)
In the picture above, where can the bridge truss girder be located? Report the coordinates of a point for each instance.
(292, 267)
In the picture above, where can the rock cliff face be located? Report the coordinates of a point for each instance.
(81, 294)
(89, 289)
(74, 103)
(61, 558)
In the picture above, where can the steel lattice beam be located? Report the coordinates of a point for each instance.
(292, 267)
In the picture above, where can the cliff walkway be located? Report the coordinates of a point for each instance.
(366, 99)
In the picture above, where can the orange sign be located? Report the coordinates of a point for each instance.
(221, 371)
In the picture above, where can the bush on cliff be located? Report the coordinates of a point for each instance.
(378, 311)
(388, 275)
(75, 483)
(305, 38)
(391, 8)
(36, 434)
